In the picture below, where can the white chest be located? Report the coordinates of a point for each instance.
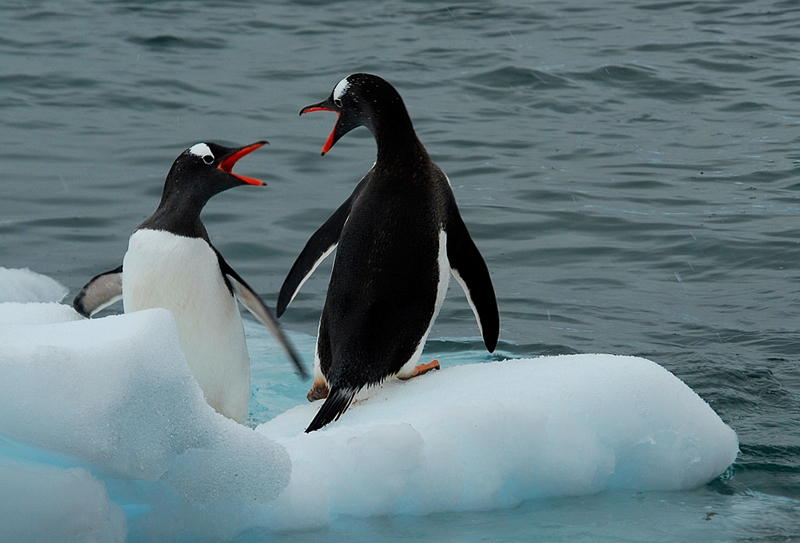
(182, 274)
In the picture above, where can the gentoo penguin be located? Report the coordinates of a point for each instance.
(171, 263)
(398, 237)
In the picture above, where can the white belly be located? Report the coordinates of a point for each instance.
(182, 274)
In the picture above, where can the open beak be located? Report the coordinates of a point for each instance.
(226, 165)
(327, 105)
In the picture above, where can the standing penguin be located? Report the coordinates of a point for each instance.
(398, 238)
(171, 263)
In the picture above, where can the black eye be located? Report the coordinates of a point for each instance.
(338, 102)
(208, 159)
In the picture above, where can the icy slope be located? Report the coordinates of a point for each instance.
(105, 436)
(491, 435)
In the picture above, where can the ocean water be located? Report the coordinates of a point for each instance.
(629, 171)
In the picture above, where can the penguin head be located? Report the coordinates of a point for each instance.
(363, 100)
(205, 169)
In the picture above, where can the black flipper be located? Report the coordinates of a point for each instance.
(256, 306)
(100, 292)
(469, 269)
(336, 403)
(318, 246)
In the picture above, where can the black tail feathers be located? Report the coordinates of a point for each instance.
(337, 402)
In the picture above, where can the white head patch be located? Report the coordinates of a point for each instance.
(202, 150)
(340, 88)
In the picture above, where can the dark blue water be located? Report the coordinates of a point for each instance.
(628, 169)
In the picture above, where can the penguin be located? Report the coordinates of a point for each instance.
(398, 238)
(171, 263)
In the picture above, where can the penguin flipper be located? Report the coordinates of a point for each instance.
(100, 292)
(318, 247)
(258, 308)
(337, 402)
(469, 269)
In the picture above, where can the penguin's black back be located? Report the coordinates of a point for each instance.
(385, 279)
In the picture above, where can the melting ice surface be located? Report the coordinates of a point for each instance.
(105, 436)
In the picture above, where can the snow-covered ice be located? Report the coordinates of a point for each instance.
(114, 400)
(24, 285)
(104, 435)
(491, 435)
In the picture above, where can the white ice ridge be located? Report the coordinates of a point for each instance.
(491, 435)
(103, 416)
(24, 285)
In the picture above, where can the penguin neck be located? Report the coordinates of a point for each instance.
(179, 213)
(399, 147)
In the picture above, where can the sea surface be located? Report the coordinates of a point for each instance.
(629, 170)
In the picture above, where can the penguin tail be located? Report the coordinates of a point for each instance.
(336, 403)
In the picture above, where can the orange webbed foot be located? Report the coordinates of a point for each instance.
(423, 368)
(319, 391)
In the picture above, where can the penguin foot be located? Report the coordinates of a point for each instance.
(422, 368)
(319, 391)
